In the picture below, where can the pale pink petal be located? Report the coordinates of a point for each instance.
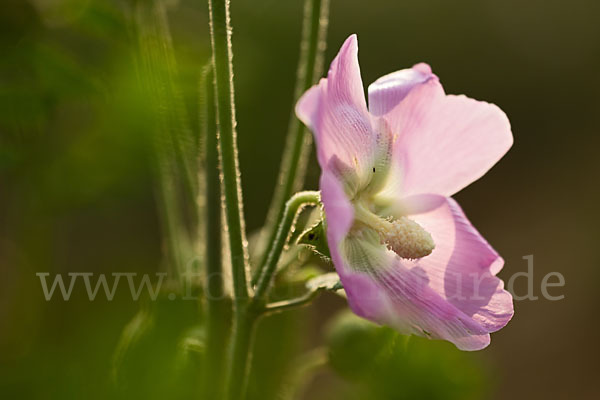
(445, 142)
(382, 289)
(451, 294)
(430, 315)
(389, 90)
(336, 112)
(366, 297)
(338, 209)
(462, 267)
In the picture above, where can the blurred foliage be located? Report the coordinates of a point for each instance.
(155, 358)
(278, 339)
(382, 364)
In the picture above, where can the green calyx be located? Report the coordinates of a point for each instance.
(316, 239)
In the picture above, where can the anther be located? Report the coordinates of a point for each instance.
(406, 238)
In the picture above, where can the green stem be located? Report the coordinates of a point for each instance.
(218, 304)
(297, 148)
(243, 335)
(292, 304)
(220, 30)
(246, 320)
(247, 317)
(293, 205)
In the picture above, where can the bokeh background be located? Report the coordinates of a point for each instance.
(77, 192)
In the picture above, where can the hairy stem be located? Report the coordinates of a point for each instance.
(293, 205)
(222, 67)
(220, 30)
(297, 148)
(246, 319)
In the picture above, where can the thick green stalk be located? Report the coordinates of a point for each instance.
(217, 302)
(293, 205)
(297, 148)
(241, 346)
(220, 30)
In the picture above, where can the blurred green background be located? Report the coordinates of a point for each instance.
(77, 190)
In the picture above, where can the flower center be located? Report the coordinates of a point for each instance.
(405, 237)
(402, 235)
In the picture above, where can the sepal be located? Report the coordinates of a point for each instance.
(315, 238)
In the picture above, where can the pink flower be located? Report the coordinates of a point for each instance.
(404, 250)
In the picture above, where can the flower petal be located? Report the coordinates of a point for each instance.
(339, 212)
(445, 142)
(381, 288)
(389, 90)
(452, 294)
(335, 110)
(462, 267)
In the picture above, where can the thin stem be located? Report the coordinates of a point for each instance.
(293, 205)
(246, 319)
(220, 30)
(218, 304)
(244, 328)
(297, 148)
(292, 304)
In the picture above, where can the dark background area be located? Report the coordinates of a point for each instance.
(77, 191)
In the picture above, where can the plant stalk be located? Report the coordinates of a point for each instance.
(292, 207)
(220, 30)
(292, 304)
(218, 303)
(298, 143)
(224, 93)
